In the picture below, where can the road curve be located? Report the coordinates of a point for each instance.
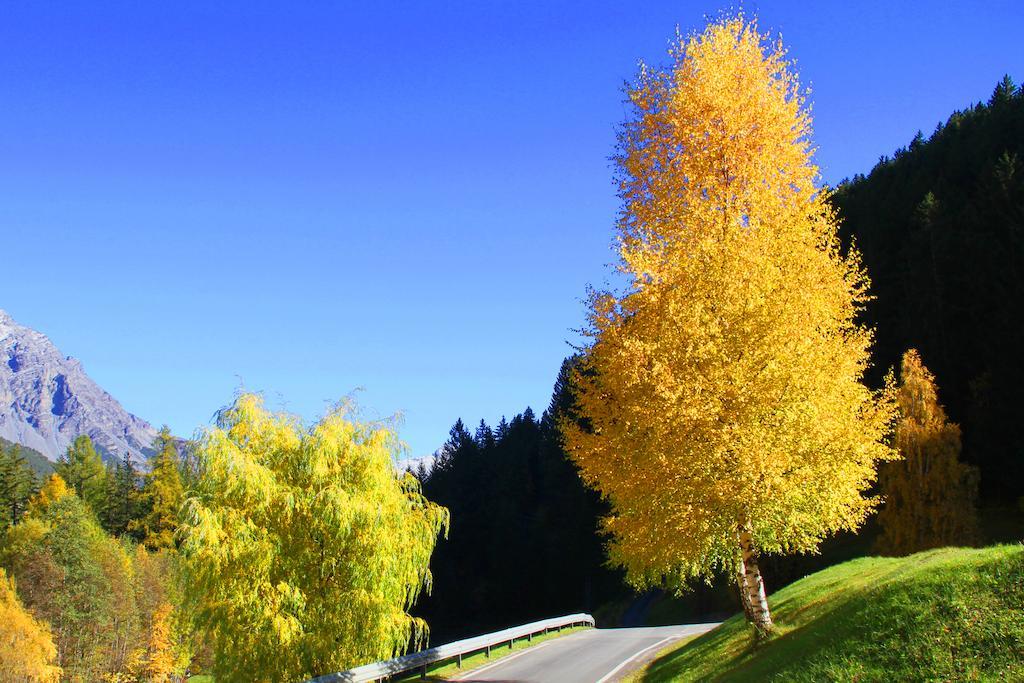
(591, 656)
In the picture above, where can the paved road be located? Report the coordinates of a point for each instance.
(591, 656)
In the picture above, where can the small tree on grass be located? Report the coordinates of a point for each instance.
(721, 408)
(929, 494)
(303, 548)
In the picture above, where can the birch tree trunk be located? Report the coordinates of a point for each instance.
(751, 585)
(741, 584)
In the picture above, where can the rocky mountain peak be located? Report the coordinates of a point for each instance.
(47, 399)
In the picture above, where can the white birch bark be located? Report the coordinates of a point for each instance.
(752, 585)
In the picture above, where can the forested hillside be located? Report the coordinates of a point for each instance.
(941, 229)
(524, 537)
(36, 460)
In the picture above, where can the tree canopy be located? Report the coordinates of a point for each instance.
(929, 495)
(725, 412)
(161, 496)
(81, 467)
(303, 548)
(27, 652)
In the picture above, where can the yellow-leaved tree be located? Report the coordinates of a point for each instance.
(721, 409)
(303, 548)
(929, 495)
(27, 652)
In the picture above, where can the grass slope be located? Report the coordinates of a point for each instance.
(948, 614)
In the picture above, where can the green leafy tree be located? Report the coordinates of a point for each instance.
(303, 549)
(161, 496)
(79, 580)
(83, 470)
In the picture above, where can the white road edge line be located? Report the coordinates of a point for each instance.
(638, 654)
(506, 658)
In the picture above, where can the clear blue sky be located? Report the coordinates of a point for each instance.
(405, 197)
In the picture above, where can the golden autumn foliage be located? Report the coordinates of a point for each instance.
(929, 494)
(27, 652)
(721, 407)
(161, 495)
(53, 489)
(160, 660)
(303, 548)
(98, 594)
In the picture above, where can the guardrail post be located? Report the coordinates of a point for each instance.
(529, 637)
(459, 662)
(423, 671)
(488, 653)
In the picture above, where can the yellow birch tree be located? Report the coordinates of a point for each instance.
(721, 407)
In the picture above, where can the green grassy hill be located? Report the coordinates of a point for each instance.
(948, 614)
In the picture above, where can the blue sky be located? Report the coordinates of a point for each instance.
(405, 197)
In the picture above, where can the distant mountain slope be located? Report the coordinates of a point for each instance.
(36, 460)
(47, 399)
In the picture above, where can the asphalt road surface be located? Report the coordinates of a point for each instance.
(591, 656)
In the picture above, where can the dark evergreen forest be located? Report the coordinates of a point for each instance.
(524, 540)
(941, 229)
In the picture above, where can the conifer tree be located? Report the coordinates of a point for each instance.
(121, 507)
(723, 410)
(17, 485)
(161, 496)
(303, 548)
(484, 436)
(82, 469)
(929, 495)
(460, 443)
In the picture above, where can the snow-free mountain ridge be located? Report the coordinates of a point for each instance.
(47, 399)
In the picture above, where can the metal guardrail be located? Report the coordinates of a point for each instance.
(458, 649)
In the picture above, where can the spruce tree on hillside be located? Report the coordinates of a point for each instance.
(17, 485)
(122, 499)
(484, 436)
